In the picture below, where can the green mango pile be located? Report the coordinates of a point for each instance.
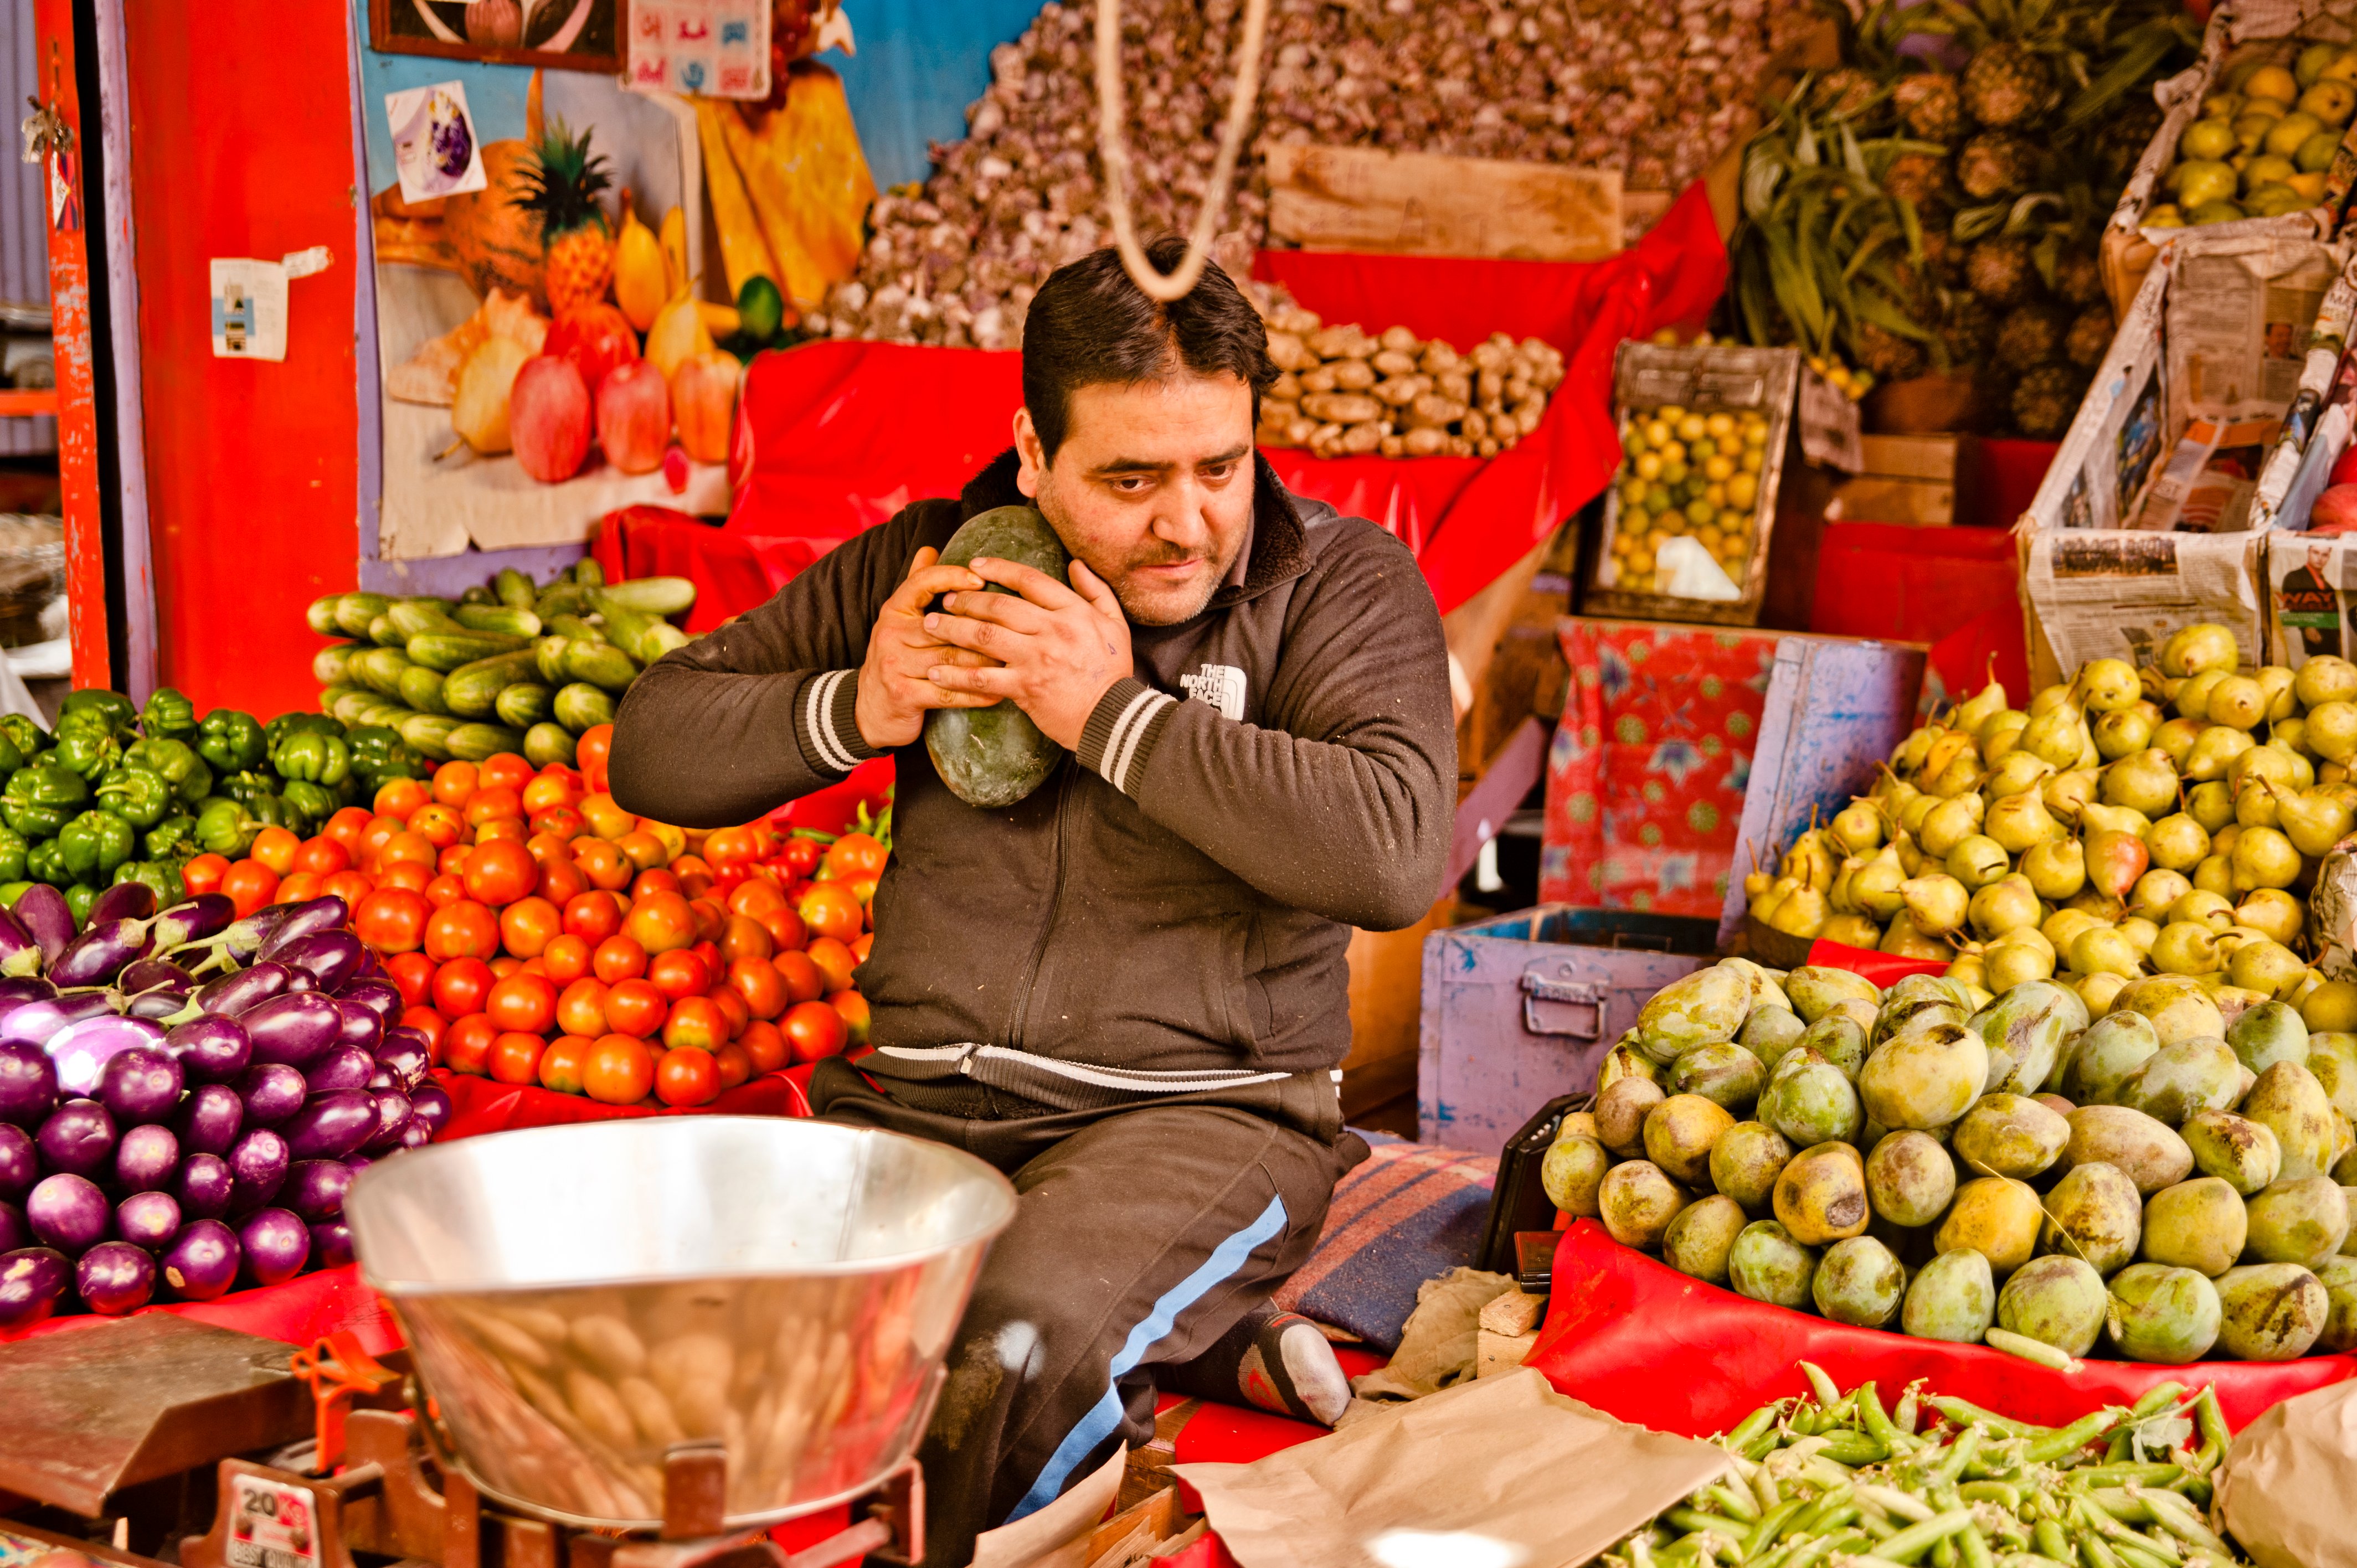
(2166, 1180)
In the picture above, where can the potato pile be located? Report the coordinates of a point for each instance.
(1685, 473)
(2096, 837)
(1344, 393)
(2165, 1177)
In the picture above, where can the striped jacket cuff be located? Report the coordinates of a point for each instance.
(826, 722)
(1129, 720)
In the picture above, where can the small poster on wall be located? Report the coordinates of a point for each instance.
(434, 142)
(716, 48)
(559, 35)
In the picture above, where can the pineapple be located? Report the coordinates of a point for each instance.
(1969, 331)
(2007, 84)
(2078, 279)
(1889, 356)
(1930, 106)
(2002, 271)
(1920, 179)
(1842, 92)
(2030, 335)
(2044, 400)
(1996, 163)
(2089, 338)
(561, 183)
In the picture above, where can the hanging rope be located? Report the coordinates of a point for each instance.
(1112, 149)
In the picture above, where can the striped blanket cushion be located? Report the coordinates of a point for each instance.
(1409, 1212)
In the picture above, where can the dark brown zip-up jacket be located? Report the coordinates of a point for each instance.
(1169, 911)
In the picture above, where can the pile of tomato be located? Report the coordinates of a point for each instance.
(540, 934)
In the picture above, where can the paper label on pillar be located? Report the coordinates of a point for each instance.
(271, 1525)
(715, 48)
(1829, 425)
(249, 309)
(434, 147)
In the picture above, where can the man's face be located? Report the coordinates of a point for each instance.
(1152, 488)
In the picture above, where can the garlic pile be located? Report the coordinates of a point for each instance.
(1343, 392)
(1652, 91)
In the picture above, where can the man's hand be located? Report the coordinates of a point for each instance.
(896, 687)
(1055, 650)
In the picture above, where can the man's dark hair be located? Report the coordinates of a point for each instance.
(1089, 325)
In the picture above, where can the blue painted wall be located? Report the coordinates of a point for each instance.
(920, 63)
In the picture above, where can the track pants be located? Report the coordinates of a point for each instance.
(1141, 1235)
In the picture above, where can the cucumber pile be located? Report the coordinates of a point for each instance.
(513, 667)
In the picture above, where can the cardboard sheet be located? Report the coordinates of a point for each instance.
(2285, 1492)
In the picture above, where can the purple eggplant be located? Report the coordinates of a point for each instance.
(20, 1161)
(296, 1030)
(78, 1137)
(344, 1067)
(209, 1119)
(145, 1158)
(99, 953)
(394, 1114)
(331, 956)
(430, 1104)
(300, 980)
(361, 1026)
(327, 913)
(315, 1189)
(148, 1219)
(210, 1049)
(123, 901)
(258, 1161)
(29, 1084)
(202, 1261)
(272, 1092)
(13, 1232)
(42, 910)
(33, 1280)
(371, 967)
(383, 1077)
(277, 1245)
(20, 989)
(331, 1243)
(332, 1125)
(382, 997)
(415, 1136)
(82, 1051)
(68, 1212)
(357, 1162)
(115, 1277)
(148, 974)
(241, 940)
(160, 1005)
(20, 955)
(206, 1185)
(39, 1021)
(234, 995)
(142, 1083)
(194, 919)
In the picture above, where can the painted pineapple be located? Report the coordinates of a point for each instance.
(561, 182)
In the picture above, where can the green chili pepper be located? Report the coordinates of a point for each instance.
(137, 795)
(224, 827)
(86, 749)
(94, 843)
(38, 801)
(167, 716)
(177, 764)
(174, 838)
(162, 875)
(26, 736)
(308, 805)
(231, 740)
(313, 758)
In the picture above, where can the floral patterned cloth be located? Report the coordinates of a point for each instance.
(1646, 776)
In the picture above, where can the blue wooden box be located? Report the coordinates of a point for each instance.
(1518, 1009)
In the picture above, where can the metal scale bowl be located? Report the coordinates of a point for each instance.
(597, 1312)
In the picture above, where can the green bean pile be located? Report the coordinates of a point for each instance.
(1836, 1481)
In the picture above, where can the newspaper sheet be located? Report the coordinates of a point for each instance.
(2236, 324)
(2122, 595)
(2115, 446)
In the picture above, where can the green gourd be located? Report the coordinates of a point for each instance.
(994, 756)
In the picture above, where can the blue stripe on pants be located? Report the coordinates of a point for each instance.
(1105, 1416)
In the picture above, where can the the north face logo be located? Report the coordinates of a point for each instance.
(1221, 685)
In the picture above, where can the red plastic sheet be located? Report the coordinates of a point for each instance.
(307, 1308)
(1636, 1338)
(834, 437)
(479, 1105)
(1958, 589)
(1885, 970)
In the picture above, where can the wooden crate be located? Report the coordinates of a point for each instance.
(1359, 199)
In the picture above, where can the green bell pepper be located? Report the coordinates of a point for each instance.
(231, 740)
(79, 898)
(38, 800)
(12, 855)
(44, 864)
(169, 715)
(164, 876)
(94, 843)
(112, 708)
(174, 838)
(26, 736)
(176, 763)
(308, 805)
(284, 724)
(313, 758)
(12, 891)
(137, 795)
(11, 759)
(379, 753)
(86, 749)
(224, 827)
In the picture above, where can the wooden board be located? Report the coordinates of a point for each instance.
(1357, 198)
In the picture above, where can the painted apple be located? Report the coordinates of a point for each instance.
(548, 419)
(703, 399)
(595, 338)
(633, 417)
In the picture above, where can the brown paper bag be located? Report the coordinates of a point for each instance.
(1542, 1478)
(2285, 1492)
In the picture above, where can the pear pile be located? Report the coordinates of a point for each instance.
(2164, 821)
(2264, 141)
(2163, 1178)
